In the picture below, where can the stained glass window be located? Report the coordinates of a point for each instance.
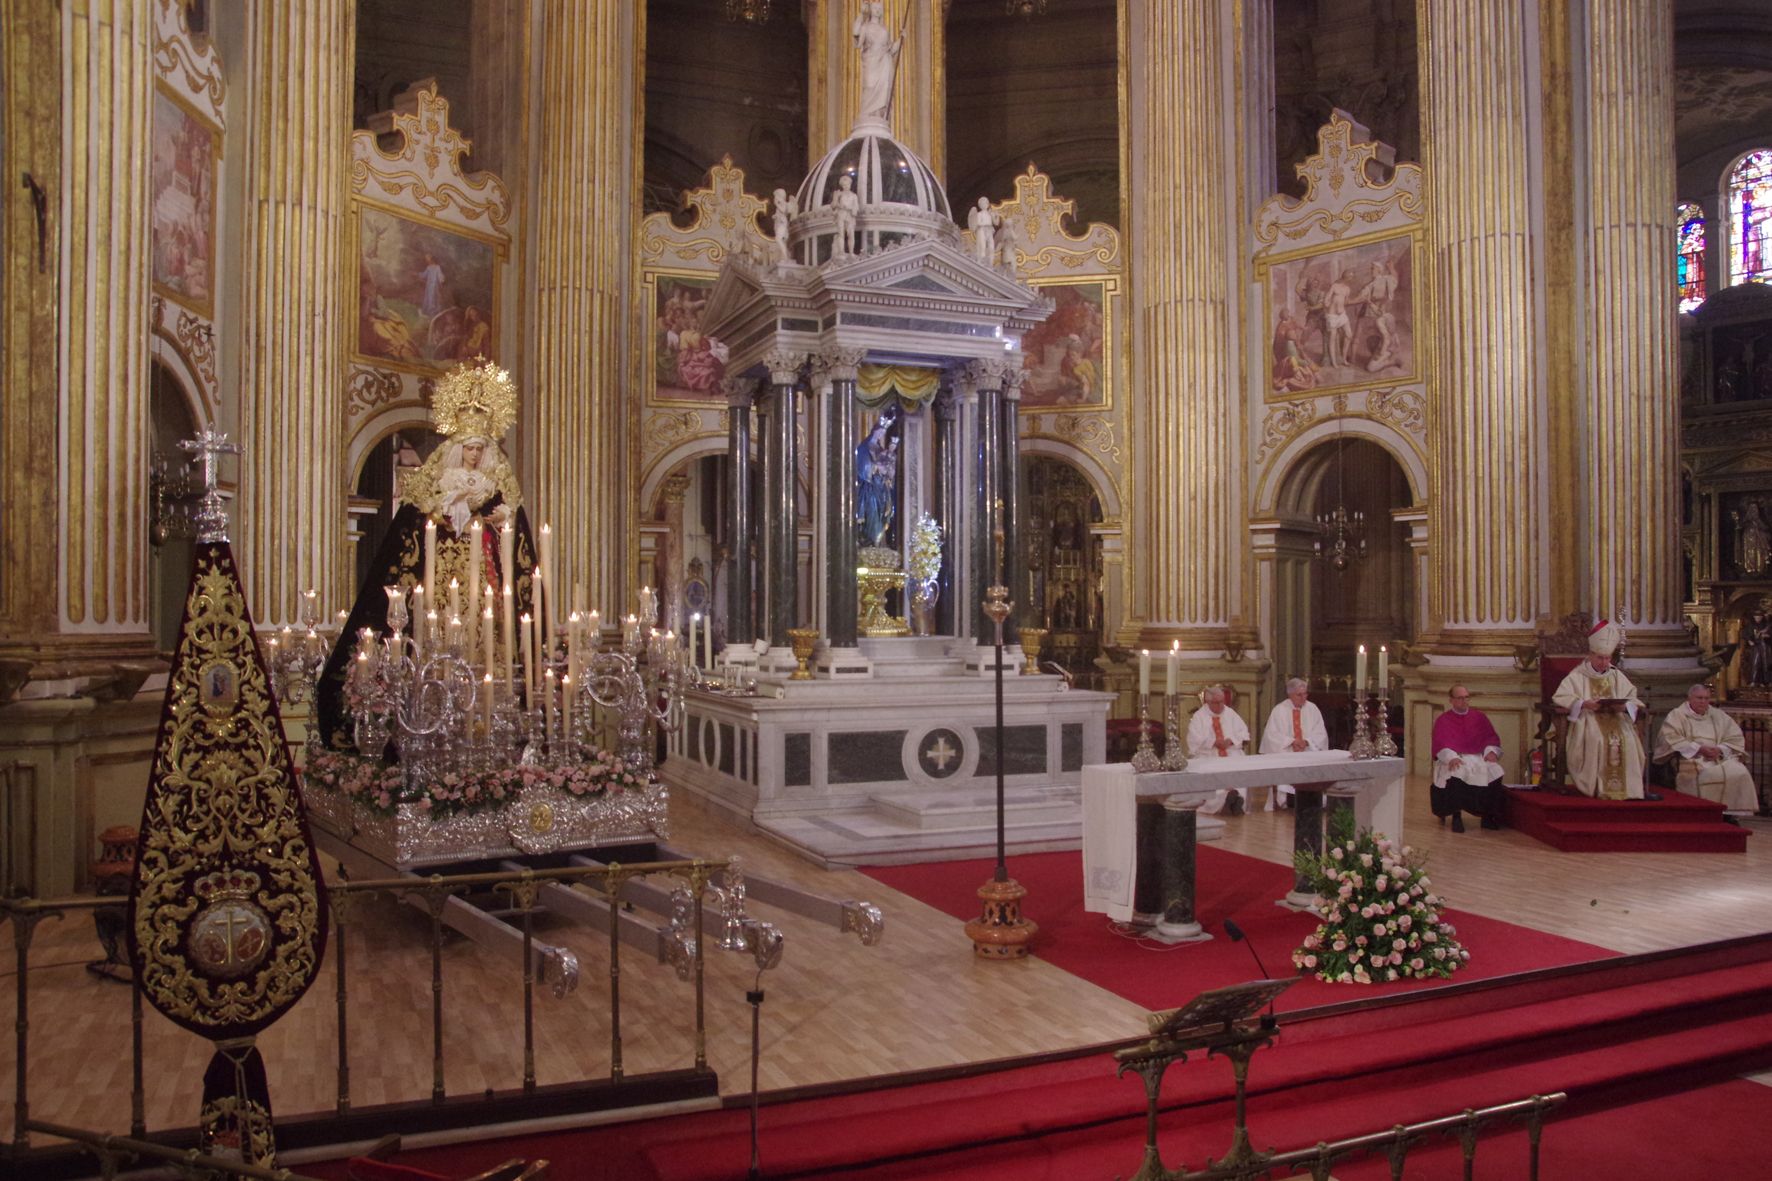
(1748, 197)
(1689, 261)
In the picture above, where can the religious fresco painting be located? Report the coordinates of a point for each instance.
(1065, 355)
(687, 364)
(1342, 318)
(182, 208)
(427, 296)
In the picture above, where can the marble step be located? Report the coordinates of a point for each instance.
(977, 808)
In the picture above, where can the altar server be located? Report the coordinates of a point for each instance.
(1215, 731)
(1605, 756)
(1709, 746)
(1467, 764)
(1296, 724)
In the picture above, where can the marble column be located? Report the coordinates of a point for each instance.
(673, 615)
(1009, 489)
(1629, 339)
(290, 518)
(1187, 487)
(741, 619)
(108, 84)
(838, 369)
(948, 474)
(781, 465)
(1490, 407)
(576, 420)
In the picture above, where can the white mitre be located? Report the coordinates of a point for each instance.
(1605, 638)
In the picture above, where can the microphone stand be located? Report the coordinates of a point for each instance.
(1268, 1019)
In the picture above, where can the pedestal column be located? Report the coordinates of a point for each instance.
(838, 369)
(290, 522)
(107, 81)
(1490, 412)
(741, 620)
(672, 615)
(576, 423)
(948, 469)
(1630, 431)
(781, 462)
(1187, 496)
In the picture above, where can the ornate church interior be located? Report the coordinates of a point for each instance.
(687, 589)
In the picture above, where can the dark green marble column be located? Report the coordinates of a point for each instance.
(839, 370)
(781, 503)
(1179, 924)
(741, 623)
(1307, 837)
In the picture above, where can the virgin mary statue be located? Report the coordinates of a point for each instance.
(467, 478)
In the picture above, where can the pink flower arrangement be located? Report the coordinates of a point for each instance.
(1378, 928)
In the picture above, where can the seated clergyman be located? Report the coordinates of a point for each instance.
(1604, 755)
(1708, 746)
(1215, 731)
(1467, 763)
(1294, 726)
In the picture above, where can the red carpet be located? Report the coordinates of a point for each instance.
(1675, 823)
(1230, 886)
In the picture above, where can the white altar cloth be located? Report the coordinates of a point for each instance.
(1111, 792)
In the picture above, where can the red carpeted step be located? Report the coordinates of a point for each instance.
(1643, 838)
(1676, 823)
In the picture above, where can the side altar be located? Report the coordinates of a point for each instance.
(874, 376)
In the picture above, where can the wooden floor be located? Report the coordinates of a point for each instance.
(835, 1010)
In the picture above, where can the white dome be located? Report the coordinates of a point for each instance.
(882, 172)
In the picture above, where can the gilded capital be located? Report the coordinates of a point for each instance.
(988, 374)
(784, 367)
(837, 365)
(739, 391)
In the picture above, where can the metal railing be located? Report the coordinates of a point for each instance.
(1395, 1143)
(432, 893)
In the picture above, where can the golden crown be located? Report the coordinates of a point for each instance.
(235, 884)
(477, 399)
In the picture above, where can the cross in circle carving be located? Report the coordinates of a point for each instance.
(940, 753)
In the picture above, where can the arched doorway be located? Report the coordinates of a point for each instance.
(1322, 613)
(684, 548)
(1065, 591)
(375, 497)
(172, 493)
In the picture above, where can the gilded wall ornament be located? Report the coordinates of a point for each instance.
(424, 173)
(1342, 194)
(1404, 409)
(1282, 422)
(370, 389)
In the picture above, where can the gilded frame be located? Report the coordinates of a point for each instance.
(498, 252)
(649, 285)
(1358, 252)
(193, 117)
(1109, 288)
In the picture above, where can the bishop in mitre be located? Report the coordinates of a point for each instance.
(1604, 755)
(1709, 746)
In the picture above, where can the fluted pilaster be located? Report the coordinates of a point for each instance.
(576, 425)
(1187, 498)
(290, 515)
(1489, 503)
(1631, 432)
(107, 81)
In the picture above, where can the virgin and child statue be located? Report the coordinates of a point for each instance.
(466, 479)
(876, 480)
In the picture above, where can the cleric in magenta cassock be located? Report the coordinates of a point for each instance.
(1467, 764)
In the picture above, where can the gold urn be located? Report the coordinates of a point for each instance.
(804, 640)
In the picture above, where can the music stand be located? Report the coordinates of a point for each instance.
(1217, 1021)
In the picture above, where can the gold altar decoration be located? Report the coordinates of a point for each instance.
(804, 640)
(876, 577)
(1032, 640)
(914, 384)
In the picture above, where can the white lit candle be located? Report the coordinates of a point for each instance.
(566, 712)
(1144, 671)
(1360, 670)
(541, 600)
(455, 597)
(1173, 686)
(488, 652)
(545, 542)
(430, 552)
(476, 532)
(508, 621)
(1384, 668)
(507, 552)
(707, 642)
(528, 658)
(694, 623)
(547, 703)
(486, 697)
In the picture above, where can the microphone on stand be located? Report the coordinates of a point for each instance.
(1268, 1019)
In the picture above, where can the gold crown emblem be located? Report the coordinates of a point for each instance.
(226, 884)
(477, 399)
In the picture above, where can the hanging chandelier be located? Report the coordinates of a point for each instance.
(1024, 7)
(1341, 535)
(754, 12)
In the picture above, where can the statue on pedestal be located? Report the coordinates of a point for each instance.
(879, 61)
(876, 480)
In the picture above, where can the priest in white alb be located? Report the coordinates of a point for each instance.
(1296, 724)
(1215, 731)
(1604, 755)
(1709, 745)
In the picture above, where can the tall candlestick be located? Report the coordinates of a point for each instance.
(1144, 671)
(1384, 668)
(507, 552)
(545, 542)
(707, 642)
(547, 704)
(528, 657)
(694, 622)
(1360, 670)
(431, 628)
(566, 683)
(541, 604)
(455, 596)
(430, 552)
(488, 652)
(476, 532)
(486, 698)
(508, 620)
(1174, 683)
